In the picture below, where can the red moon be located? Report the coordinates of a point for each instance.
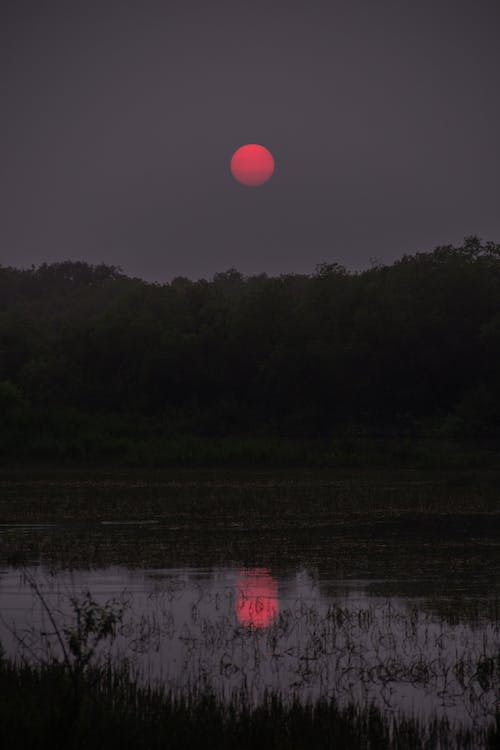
(256, 598)
(252, 165)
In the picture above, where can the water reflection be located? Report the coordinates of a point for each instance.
(226, 629)
(257, 603)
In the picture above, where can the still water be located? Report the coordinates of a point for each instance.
(365, 588)
(252, 629)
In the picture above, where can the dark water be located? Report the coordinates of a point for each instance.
(252, 629)
(386, 592)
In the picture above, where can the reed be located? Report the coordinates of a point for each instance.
(114, 711)
(62, 690)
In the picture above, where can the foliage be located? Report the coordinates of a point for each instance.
(90, 357)
(76, 667)
(117, 712)
(78, 638)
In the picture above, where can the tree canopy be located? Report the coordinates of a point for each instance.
(414, 345)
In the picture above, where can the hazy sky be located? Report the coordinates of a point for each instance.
(119, 120)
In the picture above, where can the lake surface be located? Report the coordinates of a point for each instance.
(385, 592)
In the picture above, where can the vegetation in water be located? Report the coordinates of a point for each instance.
(76, 700)
(373, 524)
(114, 712)
(63, 691)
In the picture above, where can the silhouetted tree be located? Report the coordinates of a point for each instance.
(404, 346)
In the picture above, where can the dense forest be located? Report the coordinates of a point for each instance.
(92, 360)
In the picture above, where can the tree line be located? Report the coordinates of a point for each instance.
(411, 347)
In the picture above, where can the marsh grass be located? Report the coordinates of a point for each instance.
(408, 532)
(420, 532)
(353, 667)
(115, 712)
(133, 441)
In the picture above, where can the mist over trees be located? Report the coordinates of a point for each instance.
(407, 348)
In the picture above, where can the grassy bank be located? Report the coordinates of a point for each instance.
(64, 439)
(43, 707)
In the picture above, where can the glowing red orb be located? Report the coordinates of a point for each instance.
(256, 598)
(252, 164)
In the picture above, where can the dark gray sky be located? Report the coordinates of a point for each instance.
(119, 120)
